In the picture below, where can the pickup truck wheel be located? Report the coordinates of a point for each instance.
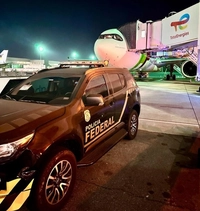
(132, 125)
(55, 181)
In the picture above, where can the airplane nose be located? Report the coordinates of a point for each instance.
(108, 50)
(101, 51)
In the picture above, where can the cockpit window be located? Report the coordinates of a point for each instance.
(111, 36)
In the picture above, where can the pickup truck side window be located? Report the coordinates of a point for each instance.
(122, 80)
(97, 86)
(117, 81)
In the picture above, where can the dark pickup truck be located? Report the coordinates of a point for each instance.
(57, 120)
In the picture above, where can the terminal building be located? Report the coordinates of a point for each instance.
(25, 67)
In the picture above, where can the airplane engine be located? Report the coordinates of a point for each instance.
(189, 69)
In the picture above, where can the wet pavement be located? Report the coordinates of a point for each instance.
(158, 170)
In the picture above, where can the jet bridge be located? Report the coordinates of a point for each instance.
(178, 32)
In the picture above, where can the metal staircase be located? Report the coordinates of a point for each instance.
(177, 69)
(192, 56)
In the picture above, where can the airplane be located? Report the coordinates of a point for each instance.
(3, 58)
(112, 46)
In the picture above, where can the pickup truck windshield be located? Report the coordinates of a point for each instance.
(44, 90)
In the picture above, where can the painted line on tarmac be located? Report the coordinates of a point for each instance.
(168, 122)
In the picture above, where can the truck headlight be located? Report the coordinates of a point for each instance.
(9, 149)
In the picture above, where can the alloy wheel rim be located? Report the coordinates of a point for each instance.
(58, 182)
(133, 124)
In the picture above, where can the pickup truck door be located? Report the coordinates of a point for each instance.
(117, 86)
(98, 119)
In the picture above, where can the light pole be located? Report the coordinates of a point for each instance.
(40, 48)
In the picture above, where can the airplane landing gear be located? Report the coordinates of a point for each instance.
(171, 75)
(143, 75)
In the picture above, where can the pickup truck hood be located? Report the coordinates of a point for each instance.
(17, 119)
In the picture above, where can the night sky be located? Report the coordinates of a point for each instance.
(66, 26)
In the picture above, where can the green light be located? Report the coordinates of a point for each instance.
(74, 55)
(92, 57)
(41, 48)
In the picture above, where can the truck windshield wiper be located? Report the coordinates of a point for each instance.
(33, 101)
(7, 97)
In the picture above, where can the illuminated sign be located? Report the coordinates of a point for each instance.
(183, 20)
(181, 27)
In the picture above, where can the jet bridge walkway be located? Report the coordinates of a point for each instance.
(178, 32)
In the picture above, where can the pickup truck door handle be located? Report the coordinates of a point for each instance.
(112, 103)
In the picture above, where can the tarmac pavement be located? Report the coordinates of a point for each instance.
(171, 107)
(158, 170)
(154, 172)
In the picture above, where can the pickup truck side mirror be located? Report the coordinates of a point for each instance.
(94, 100)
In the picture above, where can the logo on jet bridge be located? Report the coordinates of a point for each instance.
(182, 22)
